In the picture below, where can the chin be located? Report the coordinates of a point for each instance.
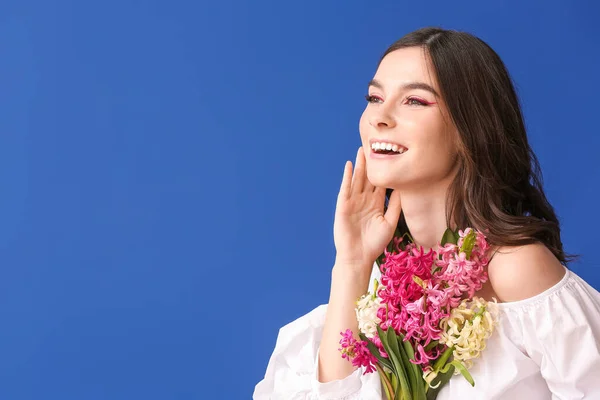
(383, 179)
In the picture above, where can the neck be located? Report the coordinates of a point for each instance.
(425, 214)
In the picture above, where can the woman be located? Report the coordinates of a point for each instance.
(443, 129)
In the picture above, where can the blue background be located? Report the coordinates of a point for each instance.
(169, 171)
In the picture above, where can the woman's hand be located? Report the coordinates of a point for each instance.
(361, 230)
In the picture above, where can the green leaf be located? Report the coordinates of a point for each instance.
(395, 386)
(410, 352)
(417, 381)
(396, 366)
(384, 343)
(395, 356)
(419, 385)
(375, 351)
(442, 378)
(412, 382)
(432, 344)
(468, 243)
(449, 237)
(461, 368)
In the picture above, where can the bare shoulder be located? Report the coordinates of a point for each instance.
(520, 272)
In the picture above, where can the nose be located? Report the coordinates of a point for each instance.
(382, 118)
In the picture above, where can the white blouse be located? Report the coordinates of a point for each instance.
(545, 347)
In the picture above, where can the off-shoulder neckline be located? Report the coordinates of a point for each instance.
(509, 304)
(540, 296)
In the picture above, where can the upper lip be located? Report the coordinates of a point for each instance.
(375, 140)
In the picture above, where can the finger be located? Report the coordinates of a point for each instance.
(392, 215)
(377, 191)
(369, 187)
(376, 188)
(379, 198)
(358, 178)
(346, 181)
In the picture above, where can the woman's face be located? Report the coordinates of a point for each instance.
(405, 112)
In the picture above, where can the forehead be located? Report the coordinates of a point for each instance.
(409, 64)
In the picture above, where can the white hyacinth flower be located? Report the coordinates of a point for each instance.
(366, 313)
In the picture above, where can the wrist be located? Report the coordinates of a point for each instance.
(346, 287)
(352, 266)
(357, 272)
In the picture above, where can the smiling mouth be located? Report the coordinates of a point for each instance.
(387, 152)
(387, 148)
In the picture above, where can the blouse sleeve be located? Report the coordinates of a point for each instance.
(561, 333)
(292, 371)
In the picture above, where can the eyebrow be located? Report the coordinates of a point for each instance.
(407, 86)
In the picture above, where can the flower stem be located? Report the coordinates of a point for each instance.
(439, 364)
(389, 391)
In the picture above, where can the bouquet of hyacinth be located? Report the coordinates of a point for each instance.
(422, 323)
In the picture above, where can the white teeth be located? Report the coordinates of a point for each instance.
(387, 146)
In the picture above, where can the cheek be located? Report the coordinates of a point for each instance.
(437, 145)
(363, 128)
(436, 134)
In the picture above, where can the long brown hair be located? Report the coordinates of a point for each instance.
(498, 187)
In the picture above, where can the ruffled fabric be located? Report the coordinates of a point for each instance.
(292, 371)
(546, 347)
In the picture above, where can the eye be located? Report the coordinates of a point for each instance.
(373, 99)
(415, 101)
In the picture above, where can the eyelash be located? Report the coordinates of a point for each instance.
(371, 99)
